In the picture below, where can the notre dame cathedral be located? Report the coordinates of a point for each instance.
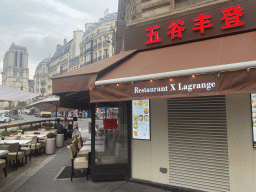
(15, 68)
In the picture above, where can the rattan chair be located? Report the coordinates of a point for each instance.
(77, 162)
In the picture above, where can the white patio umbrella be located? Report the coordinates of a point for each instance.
(50, 104)
(11, 94)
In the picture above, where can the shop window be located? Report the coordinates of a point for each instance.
(111, 140)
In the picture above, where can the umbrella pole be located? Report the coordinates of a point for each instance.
(56, 115)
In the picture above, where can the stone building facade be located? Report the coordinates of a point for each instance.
(15, 68)
(141, 12)
(42, 82)
(98, 40)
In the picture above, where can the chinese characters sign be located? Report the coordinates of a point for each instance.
(207, 24)
(231, 17)
(141, 119)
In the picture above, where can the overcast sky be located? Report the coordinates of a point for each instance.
(40, 25)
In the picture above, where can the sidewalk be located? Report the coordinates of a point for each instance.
(43, 179)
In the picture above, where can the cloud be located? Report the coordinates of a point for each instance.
(40, 25)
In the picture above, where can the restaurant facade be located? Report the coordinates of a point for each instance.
(177, 108)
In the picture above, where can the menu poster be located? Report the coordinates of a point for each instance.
(253, 102)
(140, 119)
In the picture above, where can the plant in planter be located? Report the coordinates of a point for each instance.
(4, 133)
(50, 143)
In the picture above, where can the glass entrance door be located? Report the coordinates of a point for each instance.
(111, 143)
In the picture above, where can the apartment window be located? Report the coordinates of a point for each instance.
(107, 27)
(21, 74)
(95, 55)
(106, 53)
(88, 45)
(98, 31)
(106, 38)
(88, 58)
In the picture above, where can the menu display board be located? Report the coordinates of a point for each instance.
(253, 102)
(141, 119)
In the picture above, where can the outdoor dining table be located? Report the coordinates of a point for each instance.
(3, 153)
(38, 136)
(87, 148)
(97, 138)
(97, 142)
(21, 142)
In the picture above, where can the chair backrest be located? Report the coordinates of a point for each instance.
(76, 144)
(70, 151)
(4, 147)
(80, 142)
(29, 132)
(11, 138)
(34, 139)
(23, 137)
(14, 147)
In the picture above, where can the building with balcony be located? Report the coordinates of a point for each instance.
(59, 62)
(98, 40)
(42, 82)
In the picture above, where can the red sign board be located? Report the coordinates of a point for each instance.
(110, 123)
(231, 16)
(216, 22)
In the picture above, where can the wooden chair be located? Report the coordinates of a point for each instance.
(14, 154)
(77, 162)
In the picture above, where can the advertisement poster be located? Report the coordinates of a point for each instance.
(253, 100)
(141, 119)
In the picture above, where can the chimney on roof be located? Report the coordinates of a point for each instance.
(106, 12)
(65, 41)
(50, 55)
(87, 25)
(58, 47)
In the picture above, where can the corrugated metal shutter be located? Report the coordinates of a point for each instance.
(198, 149)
